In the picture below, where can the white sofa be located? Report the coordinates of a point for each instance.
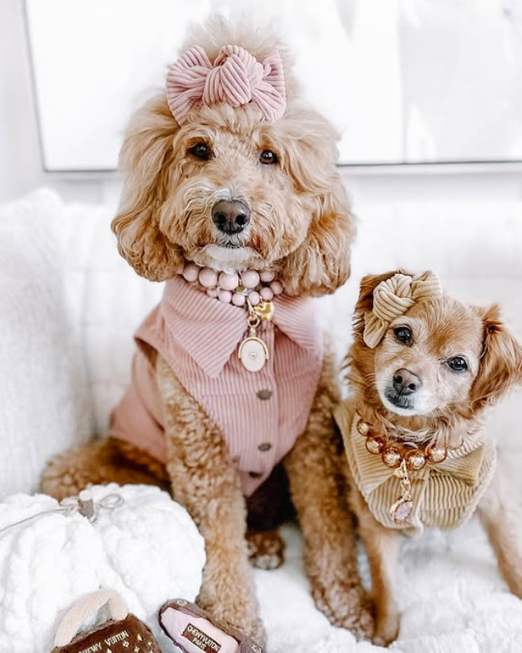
(68, 307)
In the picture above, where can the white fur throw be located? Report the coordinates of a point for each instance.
(148, 549)
(43, 391)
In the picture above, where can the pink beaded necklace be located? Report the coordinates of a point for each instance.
(249, 289)
(233, 287)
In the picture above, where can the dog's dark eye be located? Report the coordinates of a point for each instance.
(457, 364)
(267, 157)
(201, 151)
(403, 334)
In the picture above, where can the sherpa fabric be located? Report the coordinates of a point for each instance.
(146, 549)
(43, 390)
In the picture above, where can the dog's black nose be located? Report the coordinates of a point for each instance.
(406, 382)
(230, 216)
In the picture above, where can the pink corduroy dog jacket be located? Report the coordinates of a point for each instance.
(260, 414)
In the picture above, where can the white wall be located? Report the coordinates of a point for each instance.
(21, 170)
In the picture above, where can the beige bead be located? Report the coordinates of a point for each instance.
(374, 445)
(391, 457)
(416, 460)
(363, 427)
(436, 454)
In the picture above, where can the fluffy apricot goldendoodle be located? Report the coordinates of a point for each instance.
(232, 196)
(424, 369)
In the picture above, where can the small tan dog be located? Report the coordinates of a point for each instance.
(228, 173)
(424, 368)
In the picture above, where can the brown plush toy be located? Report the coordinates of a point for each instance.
(123, 633)
(194, 631)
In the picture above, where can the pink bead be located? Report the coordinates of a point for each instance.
(212, 292)
(276, 287)
(238, 300)
(191, 272)
(266, 294)
(228, 281)
(267, 276)
(250, 278)
(254, 298)
(208, 278)
(225, 296)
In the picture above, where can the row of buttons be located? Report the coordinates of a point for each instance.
(262, 394)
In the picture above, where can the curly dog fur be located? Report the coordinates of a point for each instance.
(302, 228)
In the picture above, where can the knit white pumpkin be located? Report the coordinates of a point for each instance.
(147, 548)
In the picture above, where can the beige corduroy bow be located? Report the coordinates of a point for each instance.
(393, 297)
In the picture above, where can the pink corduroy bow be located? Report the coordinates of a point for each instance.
(235, 78)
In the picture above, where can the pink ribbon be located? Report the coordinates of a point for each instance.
(235, 78)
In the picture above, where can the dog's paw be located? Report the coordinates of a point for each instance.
(387, 629)
(266, 549)
(346, 606)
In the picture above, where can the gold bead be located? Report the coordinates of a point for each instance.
(374, 445)
(391, 457)
(415, 460)
(363, 427)
(436, 454)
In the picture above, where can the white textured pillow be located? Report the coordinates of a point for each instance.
(43, 394)
(147, 548)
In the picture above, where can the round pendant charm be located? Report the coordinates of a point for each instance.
(401, 510)
(253, 353)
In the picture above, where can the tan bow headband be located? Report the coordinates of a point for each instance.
(393, 298)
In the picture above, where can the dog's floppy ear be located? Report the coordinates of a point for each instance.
(365, 302)
(322, 262)
(145, 157)
(501, 362)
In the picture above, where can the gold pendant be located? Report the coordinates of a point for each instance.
(264, 310)
(401, 509)
(253, 353)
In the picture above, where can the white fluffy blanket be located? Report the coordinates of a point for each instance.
(148, 549)
(451, 595)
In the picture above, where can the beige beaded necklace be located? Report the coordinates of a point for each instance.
(404, 458)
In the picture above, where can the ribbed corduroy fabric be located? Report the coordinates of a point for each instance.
(236, 78)
(444, 495)
(199, 336)
(393, 297)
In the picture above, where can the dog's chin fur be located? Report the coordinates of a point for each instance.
(224, 258)
(398, 410)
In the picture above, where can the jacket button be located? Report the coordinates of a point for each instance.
(265, 446)
(255, 474)
(264, 394)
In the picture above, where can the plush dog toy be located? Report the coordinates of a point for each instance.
(424, 369)
(193, 630)
(232, 197)
(123, 632)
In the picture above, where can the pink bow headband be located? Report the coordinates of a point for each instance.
(235, 78)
